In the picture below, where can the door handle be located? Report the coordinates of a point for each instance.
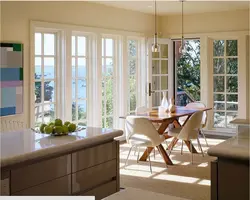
(150, 90)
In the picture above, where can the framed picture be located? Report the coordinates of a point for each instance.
(11, 79)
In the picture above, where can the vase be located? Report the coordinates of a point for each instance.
(171, 106)
(164, 101)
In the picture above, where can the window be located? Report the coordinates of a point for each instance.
(225, 82)
(132, 74)
(187, 69)
(45, 77)
(79, 79)
(108, 82)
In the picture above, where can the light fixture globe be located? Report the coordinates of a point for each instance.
(155, 45)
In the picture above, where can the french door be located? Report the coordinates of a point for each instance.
(159, 73)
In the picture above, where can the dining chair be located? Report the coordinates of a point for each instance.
(140, 132)
(204, 117)
(189, 132)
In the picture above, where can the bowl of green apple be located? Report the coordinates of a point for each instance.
(58, 128)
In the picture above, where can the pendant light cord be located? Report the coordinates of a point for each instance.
(155, 19)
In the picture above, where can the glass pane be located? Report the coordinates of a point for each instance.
(82, 110)
(219, 85)
(38, 115)
(164, 50)
(109, 47)
(156, 99)
(219, 66)
(73, 49)
(49, 44)
(219, 106)
(73, 67)
(232, 66)
(231, 48)
(49, 113)
(109, 67)
(38, 43)
(164, 67)
(132, 48)
(219, 120)
(164, 82)
(82, 89)
(49, 90)
(109, 122)
(81, 45)
(103, 122)
(230, 117)
(155, 54)
(132, 67)
(132, 102)
(155, 67)
(132, 93)
(73, 89)
(103, 107)
(38, 94)
(232, 84)
(38, 67)
(82, 69)
(73, 111)
(232, 102)
(219, 101)
(109, 96)
(49, 68)
(219, 47)
(156, 83)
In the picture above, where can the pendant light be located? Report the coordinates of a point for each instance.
(155, 46)
(181, 49)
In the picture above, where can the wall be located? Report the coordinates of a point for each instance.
(206, 22)
(16, 16)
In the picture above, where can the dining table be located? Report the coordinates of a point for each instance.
(164, 119)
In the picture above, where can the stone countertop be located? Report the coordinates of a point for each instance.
(234, 148)
(26, 145)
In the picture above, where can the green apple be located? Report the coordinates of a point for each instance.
(58, 122)
(72, 127)
(42, 128)
(65, 129)
(48, 129)
(58, 129)
(51, 123)
(66, 123)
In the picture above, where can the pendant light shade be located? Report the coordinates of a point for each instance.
(155, 46)
(181, 49)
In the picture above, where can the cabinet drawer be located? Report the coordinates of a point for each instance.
(60, 186)
(102, 191)
(40, 172)
(93, 156)
(94, 176)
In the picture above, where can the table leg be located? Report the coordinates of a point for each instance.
(188, 145)
(146, 154)
(164, 155)
(172, 144)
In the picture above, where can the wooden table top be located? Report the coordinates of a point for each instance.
(155, 116)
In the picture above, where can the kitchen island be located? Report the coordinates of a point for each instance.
(230, 172)
(82, 163)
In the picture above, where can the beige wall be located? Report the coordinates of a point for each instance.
(206, 22)
(15, 18)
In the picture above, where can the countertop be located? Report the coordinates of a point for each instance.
(241, 121)
(25, 145)
(234, 148)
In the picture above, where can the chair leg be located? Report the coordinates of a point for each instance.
(181, 146)
(138, 155)
(204, 137)
(154, 153)
(191, 151)
(128, 155)
(199, 144)
(135, 150)
(149, 161)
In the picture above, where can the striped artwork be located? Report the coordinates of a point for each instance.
(11, 79)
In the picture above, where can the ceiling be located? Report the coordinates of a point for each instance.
(169, 7)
